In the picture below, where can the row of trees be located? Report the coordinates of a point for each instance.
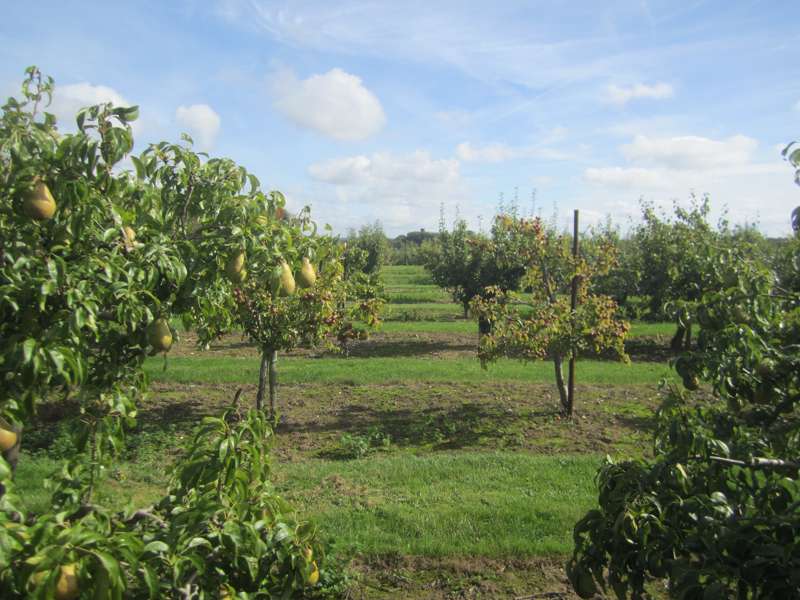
(96, 262)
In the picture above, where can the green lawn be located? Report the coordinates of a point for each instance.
(451, 504)
(377, 370)
(491, 504)
(468, 326)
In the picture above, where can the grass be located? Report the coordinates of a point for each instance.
(468, 326)
(490, 504)
(497, 504)
(422, 311)
(418, 295)
(376, 370)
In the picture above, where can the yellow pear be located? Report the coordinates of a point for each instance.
(67, 585)
(130, 234)
(39, 203)
(235, 267)
(287, 280)
(314, 577)
(8, 439)
(307, 277)
(159, 335)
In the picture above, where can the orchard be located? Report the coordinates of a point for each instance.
(623, 425)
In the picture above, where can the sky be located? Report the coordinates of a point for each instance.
(401, 111)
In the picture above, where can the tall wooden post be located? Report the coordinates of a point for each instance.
(573, 306)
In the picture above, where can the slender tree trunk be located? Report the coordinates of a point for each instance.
(562, 386)
(273, 382)
(688, 340)
(466, 309)
(676, 344)
(262, 378)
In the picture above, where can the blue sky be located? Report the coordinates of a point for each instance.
(386, 110)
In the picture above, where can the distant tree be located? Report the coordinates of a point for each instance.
(466, 263)
(372, 240)
(621, 282)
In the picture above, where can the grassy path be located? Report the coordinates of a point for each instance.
(361, 371)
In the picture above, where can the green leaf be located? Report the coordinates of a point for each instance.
(110, 564)
(156, 547)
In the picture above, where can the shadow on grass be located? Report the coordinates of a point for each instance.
(448, 428)
(402, 348)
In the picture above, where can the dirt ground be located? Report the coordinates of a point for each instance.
(430, 416)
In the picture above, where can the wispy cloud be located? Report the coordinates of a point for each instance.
(621, 95)
(690, 152)
(336, 104)
(497, 152)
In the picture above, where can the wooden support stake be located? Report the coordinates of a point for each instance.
(573, 306)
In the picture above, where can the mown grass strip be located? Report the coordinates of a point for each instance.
(490, 504)
(496, 504)
(468, 326)
(377, 370)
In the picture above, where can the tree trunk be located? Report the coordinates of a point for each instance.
(466, 309)
(676, 344)
(688, 340)
(562, 387)
(262, 378)
(273, 382)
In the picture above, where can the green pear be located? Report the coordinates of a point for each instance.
(159, 335)
(287, 280)
(39, 203)
(307, 277)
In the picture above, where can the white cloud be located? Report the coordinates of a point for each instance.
(402, 189)
(336, 104)
(690, 152)
(498, 152)
(620, 95)
(202, 122)
(69, 99)
(629, 178)
(386, 167)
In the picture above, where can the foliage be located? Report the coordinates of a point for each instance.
(716, 509)
(80, 283)
(551, 329)
(680, 260)
(792, 154)
(465, 263)
(221, 527)
(621, 282)
(371, 240)
(411, 248)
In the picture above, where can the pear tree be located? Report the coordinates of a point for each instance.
(95, 263)
(541, 323)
